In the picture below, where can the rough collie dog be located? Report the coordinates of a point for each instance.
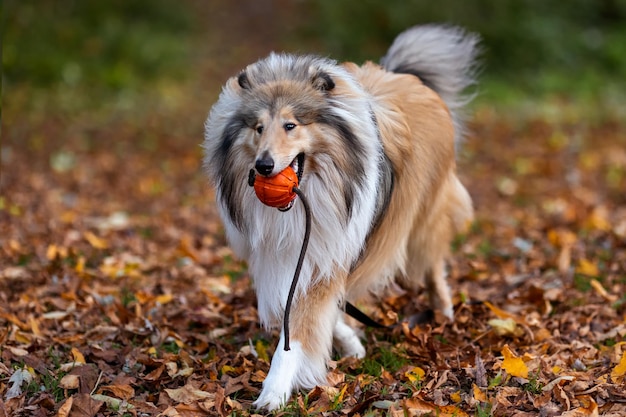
(374, 150)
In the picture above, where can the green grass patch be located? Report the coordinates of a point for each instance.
(385, 358)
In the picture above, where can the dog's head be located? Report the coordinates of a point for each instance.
(283, 100)
(286, 110)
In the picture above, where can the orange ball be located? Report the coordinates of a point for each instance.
(277, 191)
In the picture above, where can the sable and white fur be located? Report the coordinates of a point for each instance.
(377, 144)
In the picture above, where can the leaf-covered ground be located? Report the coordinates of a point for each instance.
(119, 296)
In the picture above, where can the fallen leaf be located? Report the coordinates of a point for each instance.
(19, 378)
(69, 381)
(602, 292)
(123, 391)
(513, 365)
(261, 350)
(66, 408)
(587, 267)
(415, 374)
(479, 394)
(78, 357)
(501, 314)
(85, 406)
(619, 372)
(551, 384)
(188, 394)
(112, 403)
(95, 241)
(504, 327)
(456, 396)
(416, 406)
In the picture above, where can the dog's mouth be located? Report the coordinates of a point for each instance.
(298, 166)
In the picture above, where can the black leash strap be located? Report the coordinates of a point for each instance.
(357, 314)
(296, 275)
(350, 309)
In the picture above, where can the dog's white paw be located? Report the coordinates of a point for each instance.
(355, 349)
(270, 399)
(448, 311)
(281, 379)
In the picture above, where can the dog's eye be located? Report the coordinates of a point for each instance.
(289, 126)
(259, 129)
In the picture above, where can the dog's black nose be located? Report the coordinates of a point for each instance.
(264, 165)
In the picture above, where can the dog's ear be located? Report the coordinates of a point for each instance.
(243, 80)
(322, 81)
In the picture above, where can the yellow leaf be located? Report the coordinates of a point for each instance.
(152, 351)
(415, 374)
(588, 268)
(78, 357)
(602, 291)
(51, 253)
(186, 247)
(143, 297)
(95, 241)
(228, 368)
(68, 216)
(456, 397)
(22, 338)
(64, 410)
(479, 395)
(80, 265)
(261, 351)
(620, 369)
(589, 406)
(15, 245)
(34, 326)
(599, 219)
(499, 312)
(416, 406)
(561, 237)
(164, 298)
(513, 365)
(339, 398)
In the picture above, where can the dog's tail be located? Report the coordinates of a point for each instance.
(444, 58)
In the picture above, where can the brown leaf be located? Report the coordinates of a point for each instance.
(66, 407)
(69, 381)
(84, 406)
(123, 391)
(188, 394)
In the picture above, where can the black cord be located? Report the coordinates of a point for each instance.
(296, 275)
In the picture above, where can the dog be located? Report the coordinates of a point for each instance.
(374, 150)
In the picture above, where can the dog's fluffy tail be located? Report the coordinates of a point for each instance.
(444, 58)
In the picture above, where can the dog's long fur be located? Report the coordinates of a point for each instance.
(378, 146)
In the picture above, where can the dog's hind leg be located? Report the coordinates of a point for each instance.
(432, 275)
(438, 289)
(313, 318)
(427, 250)
(346, 340)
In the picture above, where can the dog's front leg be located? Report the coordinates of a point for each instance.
(313, 318)
(347, 340)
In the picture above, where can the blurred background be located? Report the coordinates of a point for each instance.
(83, 53)
(90, 85)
